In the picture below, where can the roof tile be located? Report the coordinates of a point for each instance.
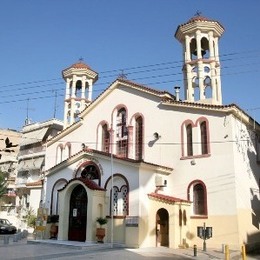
(166, 198)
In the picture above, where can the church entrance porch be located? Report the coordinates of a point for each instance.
(78, 214)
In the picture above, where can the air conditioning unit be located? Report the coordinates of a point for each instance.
(160, 182)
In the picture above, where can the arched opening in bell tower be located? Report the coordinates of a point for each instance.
(204, 47)
(78, 89)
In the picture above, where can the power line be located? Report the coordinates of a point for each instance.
(53, 85)
(140, 67)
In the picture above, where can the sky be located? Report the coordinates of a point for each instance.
(40, 38)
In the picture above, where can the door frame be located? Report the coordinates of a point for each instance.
(162, 227)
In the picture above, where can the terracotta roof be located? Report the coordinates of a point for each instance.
(87, 150)
(198, 18)
(79, 65)
(88, 183)
(138, 86)
(198, 104)
(145, 88)
(166, 198)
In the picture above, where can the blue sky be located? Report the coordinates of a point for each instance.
(40, 38)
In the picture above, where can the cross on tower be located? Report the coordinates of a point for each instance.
(198, 13)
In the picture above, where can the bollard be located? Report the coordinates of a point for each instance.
(195, 250)
(243, 252)
(6, 240)
(227, 255)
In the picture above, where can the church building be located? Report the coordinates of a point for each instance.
(154, 165)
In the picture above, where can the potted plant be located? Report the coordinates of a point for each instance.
(100, 232)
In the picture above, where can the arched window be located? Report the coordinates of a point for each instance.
(207, 87)
(55, 196)
(184, 218)
(78, 89)
(204, 48)
(197, 193)
(124, 194)
(118, 195)
(189, 140)
(105, 138)
(90, 172)
(138, 138)
(59, 154)
(120, 201)
(115, 201)
(204, 137)
(199, 200)
(121, 133)
(67, 151)
(193, 49)
(180, 217)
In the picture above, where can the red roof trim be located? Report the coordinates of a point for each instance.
(166, 198)
(88, 183)
(12, 194)
(109, 155)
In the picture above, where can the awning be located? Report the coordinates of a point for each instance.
(31, 164)
(33, 136)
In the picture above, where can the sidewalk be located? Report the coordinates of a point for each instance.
(151, 252)
(28, 248)
(147, 252)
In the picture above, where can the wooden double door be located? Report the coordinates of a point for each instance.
(78, 214)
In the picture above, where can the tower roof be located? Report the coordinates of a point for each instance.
(79, 65)
(199, 22)
(80, 68)
(199, 18)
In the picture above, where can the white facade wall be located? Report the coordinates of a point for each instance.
(217, 172)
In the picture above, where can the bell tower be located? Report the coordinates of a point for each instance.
(201, 69)
(79, 79)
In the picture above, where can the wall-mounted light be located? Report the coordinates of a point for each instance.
(193, 162)
(156, 136)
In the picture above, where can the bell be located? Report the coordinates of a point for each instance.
(203, 52)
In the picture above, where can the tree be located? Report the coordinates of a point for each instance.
(3, 185)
